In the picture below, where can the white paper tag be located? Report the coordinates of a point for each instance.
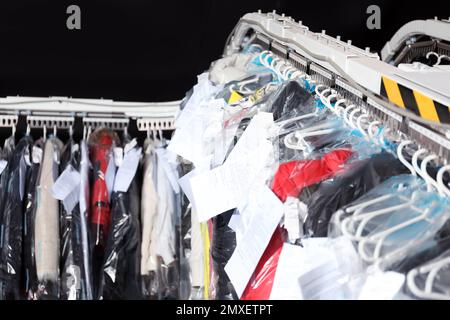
(66, 188)
(292, 219)
(227, 185)
(110, 175)
(3, 164)
(265, 218)
(22, 173)
(130, 145)
(289, 268)
(36, 155)
(127, 170)
(118, 156)
(382, 286)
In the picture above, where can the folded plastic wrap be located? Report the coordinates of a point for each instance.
(29, 275)
(12, 219)
(121, 277)
(46, 226)
(396, 220)
(101, 143)
(354, 180)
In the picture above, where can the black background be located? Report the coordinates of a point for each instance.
(144, 50)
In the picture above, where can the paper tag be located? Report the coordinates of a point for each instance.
(225, 187)
(66, 188)
(266, 215)
(118, 156)
(191, 141)
(3, 164)
(228, 185)
(127, 170)
(382, 286)
(36, 155)
(292, 218)
(289, 268)
(332, 263)
(110, 175)
(130, 145)
(22, 174)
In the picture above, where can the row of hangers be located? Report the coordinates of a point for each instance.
(358, 117)
(154, 128)
(368, 125)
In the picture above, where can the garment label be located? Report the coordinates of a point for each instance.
(3, 164)
(266, 217)
(127, 170)
(67, 188)
(382, 286)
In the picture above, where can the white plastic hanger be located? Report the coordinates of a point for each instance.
(433, 270)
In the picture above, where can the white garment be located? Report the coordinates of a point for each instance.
(84, 213)
(149, 200)
(163, 235)
(46, 242)
(196, 258)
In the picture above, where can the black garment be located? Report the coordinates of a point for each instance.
(12, 209)
(291, 97)
(29, 275)
(121, 269)
(354, 181)
(222, 247)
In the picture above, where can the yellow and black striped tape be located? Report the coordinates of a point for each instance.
(414, 101)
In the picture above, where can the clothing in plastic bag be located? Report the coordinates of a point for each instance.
(101, 143)
(73, 269)
(12, 218)
(167, 224)
(352, 182)
(290, 100)
(121, 268)
(46, 226)
(29, 275)
(397, 219)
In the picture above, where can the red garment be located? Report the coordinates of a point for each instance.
(100, 210)
(292, 177)
(260, 285)
(289, 181)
